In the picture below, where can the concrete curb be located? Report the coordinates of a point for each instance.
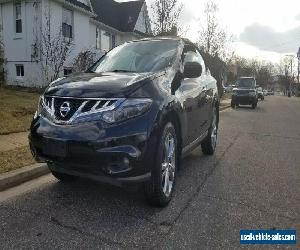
(19, 176)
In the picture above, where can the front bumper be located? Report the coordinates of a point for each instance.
(115, 154)
(244, 99)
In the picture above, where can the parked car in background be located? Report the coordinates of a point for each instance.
(130, 118)
(270, 92)
(245, 93)
(265, 92)
(260, 93)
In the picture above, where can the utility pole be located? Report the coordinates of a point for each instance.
(298, 76)
(298, 56)
(291, 62)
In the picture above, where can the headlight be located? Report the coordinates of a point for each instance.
(39, 108)
(253, 93)
(130, 108)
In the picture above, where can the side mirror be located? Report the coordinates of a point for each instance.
(192, 70)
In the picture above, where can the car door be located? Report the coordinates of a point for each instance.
(211, 86)
(192, 96)
(207, 83)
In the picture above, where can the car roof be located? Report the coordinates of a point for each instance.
(164, 38)
(156, 38)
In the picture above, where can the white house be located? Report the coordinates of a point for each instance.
(89, 24)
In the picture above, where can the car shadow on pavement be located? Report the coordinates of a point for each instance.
(249, 109)
(105, 211)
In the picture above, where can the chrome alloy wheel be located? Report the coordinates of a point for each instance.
(168, 165)
(214, 131)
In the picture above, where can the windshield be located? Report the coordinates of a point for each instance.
(246, 83)
(144, 56)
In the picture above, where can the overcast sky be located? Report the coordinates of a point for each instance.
(267, 29)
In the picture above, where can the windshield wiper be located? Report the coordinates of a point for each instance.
(90, 71)
(123, 71)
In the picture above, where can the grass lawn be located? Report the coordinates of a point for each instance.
(17, 108)
(14, 159)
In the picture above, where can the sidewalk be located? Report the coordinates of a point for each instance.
(14, 152)
(16, 162)
(13, 141)
(225, 104)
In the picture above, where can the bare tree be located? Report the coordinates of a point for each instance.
(2, 62)
(165, 16)
(213, 39)
(263, 71)
(265, 74)
(51, 48)
(84, 60)
(182, 30)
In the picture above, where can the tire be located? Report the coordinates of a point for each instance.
(64, 177)
(160, 188)
(232, 105)
(210, 142)
(254, 105)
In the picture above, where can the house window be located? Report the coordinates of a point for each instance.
(20, 70)
(68, 71)
(67, 25)
(18, 14)
(98, 38)
(105, 41)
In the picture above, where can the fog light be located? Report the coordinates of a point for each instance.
(118, 167)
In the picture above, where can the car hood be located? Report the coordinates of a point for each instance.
(98, 85)
(244, 89)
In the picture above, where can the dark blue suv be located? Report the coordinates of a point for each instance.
(130, 117)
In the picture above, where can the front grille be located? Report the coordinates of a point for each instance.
(65, 110)
(88, 106)
(243, 92)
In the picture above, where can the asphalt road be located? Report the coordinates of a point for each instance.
(253, 182)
